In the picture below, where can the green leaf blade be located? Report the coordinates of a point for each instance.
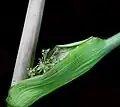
(79, 60)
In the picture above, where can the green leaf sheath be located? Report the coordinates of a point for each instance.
(79, 60)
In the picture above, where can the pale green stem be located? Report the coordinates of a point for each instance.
(113, 42)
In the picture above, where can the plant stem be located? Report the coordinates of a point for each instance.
(113, 42)
(27, 48)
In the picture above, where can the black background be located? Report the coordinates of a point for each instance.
(65, 21)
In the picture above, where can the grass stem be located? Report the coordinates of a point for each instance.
(27, 48)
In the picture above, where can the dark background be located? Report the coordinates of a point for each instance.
(66, 21)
